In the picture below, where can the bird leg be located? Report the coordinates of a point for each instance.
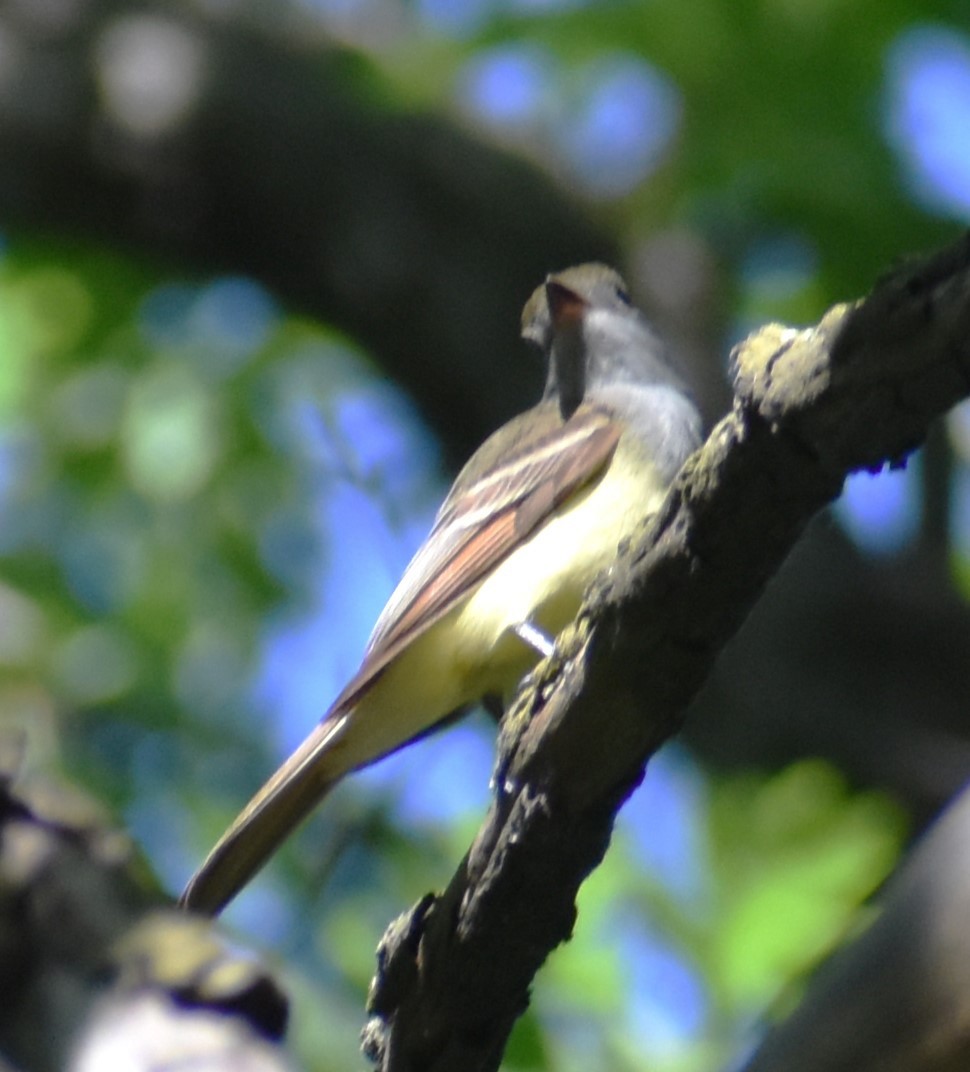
(535, 638)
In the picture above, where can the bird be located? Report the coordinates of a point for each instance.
(535, 515)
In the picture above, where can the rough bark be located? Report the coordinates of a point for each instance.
(857, 391)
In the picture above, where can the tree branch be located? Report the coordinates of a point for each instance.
(856, 391)
(94, 972)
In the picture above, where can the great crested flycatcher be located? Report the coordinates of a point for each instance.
(533, 517)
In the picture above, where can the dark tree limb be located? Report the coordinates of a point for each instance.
(857, 391)
(94, 971)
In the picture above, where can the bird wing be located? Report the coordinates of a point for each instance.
(491, 510)
(498, 500)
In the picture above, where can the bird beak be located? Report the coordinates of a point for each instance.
(566, 311)
(565, 306)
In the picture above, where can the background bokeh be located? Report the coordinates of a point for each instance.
(260, 272)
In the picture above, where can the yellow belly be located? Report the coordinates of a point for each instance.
(544, 580)
(471, 652)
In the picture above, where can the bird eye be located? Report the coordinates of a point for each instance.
(623, 294)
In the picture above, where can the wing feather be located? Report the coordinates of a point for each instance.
(482, 521)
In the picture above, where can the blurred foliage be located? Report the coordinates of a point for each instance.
(203, 500)
(682, 959)
(159, 495)
(783, 127)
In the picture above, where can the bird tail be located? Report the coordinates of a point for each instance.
(268, 819)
